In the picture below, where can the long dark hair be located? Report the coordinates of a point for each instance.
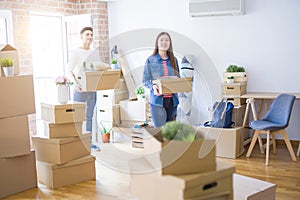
(169, 51)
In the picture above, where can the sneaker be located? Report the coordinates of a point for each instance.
(95, 147)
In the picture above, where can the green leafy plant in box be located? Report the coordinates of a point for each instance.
(235, 68)
(179, 131)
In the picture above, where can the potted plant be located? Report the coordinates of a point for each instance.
(230, 79)
(140, 92)
(105, 133)
(114, 64)
(238, 72)
(7, 65)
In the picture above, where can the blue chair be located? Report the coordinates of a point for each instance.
(274, 122)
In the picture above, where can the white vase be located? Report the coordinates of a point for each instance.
(141, 97)
(62, 93)
(8, 71)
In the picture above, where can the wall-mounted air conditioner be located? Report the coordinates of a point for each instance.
(199, 8)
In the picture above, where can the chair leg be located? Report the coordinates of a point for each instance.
(274, 142)
(253, 141)
(288, 145)
(268, 148)
(298, 152)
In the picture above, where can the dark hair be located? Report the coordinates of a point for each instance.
(169, 51)
(86, 29)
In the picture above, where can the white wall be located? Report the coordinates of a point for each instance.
(266, 41)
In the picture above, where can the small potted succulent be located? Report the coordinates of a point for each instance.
(230, 79)
(140, 92)
(114, 64)
(7, 65)
(105, 133)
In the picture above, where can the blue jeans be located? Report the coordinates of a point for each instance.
(90, 99)
(162, 114)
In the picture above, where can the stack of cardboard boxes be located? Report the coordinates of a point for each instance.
(108, 108)
(230, 141)
(17, 160)
(63, 152)
(179, 170)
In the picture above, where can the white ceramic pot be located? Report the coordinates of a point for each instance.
(62, 94)
(8, 71)
(141, 97)
(230, 80)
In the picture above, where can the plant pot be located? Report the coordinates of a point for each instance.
(106, 138)
(62, 94)
(141, 97)
(230, 80)
(8, 71)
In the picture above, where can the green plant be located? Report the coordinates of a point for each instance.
(114, 61)
(6, 62)
(104, 129)
(174, 130)
(140, 90)
(230, 77)
(235, 68)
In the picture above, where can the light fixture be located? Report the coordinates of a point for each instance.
(114, 51)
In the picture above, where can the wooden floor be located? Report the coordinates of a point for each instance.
(112, 180)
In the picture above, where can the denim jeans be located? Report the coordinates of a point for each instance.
(90, 99)
(162, 114)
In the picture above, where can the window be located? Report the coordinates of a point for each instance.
(6, 27)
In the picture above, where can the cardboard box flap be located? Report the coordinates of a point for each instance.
(59, 141)
(69, 106)
(81, 160)
(223, 170)
(170, 80)
(99, 73)
(6, 47)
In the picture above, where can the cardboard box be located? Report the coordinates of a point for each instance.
(238, 115)
(133, 110)
(99, 80)
(61, 150)
(234, 89)
(229, 141)
(17, 174)
(174, 85)
(14, 136)
(62, 130)
(109, 115)
(7, 51)
(75, 171)
(171, 157)
(253, 189)
(238, 76)
(236, 101)
(147, 184)
(63, 113)
(17, 96)
(108, 98)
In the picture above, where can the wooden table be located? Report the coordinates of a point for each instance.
(251, 96)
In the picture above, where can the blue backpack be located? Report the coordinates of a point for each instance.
(221, 115)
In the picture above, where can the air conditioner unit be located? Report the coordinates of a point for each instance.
(199, 8)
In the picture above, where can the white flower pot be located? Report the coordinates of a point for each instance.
(230, 80)
(62, 94)
(141, 97)
(8, 71)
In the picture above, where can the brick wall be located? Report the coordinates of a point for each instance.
(21, 13)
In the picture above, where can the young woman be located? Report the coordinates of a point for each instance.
(161, 63)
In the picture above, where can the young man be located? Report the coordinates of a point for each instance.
(79, 59)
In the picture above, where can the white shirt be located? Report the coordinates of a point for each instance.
(77, 57)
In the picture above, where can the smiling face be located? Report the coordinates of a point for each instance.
(87, 37)
(163, 42)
